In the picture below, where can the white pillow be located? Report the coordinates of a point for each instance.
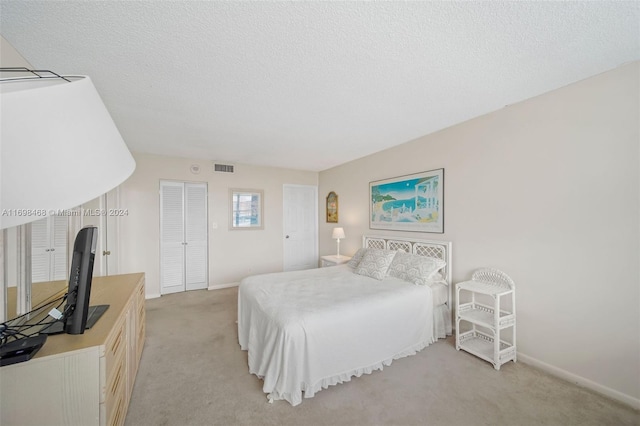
(438, 277)
(414, 268)
(375, 263)
(353, 262)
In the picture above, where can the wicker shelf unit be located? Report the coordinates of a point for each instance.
(485, 322)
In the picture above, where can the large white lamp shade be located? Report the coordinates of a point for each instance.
(59, 147)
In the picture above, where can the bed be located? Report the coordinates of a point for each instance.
(307, 330)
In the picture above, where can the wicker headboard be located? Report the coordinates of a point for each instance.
(430, 248)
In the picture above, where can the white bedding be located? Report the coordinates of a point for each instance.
(307, 330)
(440, 293)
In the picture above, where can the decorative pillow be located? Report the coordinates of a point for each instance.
(414, 268)
(375, 263)
(353, 262)
(438, 277)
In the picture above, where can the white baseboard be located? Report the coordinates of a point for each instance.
(581, 381)
(221, 286)
(211, 287)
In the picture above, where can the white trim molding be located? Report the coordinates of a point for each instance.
(580, 381)
(221, 286)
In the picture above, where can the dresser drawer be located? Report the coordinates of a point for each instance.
(116, 386)
(115, 349)
(119, 413)
(114, 409)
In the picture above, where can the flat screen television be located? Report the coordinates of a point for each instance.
(77, 315)
(80, 277)
(18, 345)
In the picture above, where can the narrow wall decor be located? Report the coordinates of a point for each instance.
(408, 203)
(332, 207)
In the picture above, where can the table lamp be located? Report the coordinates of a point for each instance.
(338, 233)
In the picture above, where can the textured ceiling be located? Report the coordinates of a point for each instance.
(311, 85)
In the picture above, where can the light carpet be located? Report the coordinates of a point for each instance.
(193, 372)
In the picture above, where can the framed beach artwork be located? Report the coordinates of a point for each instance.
(408, 203)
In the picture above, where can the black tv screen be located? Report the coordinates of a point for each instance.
(80, 276)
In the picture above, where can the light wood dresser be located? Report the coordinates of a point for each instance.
(83, 379)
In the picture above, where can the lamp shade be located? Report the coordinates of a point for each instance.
(59, 147)
(337, 233)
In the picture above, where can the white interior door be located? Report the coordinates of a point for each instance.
(300, 207)
(91, 216)
(172, 266)
(108, 229)
(103, 213)
(113, 232)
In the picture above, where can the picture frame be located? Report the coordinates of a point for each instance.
(408, 203)
(332, 207)
(246, 207)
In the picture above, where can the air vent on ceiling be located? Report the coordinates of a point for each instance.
(224, 168)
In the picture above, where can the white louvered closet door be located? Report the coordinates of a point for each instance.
(183, 239)
(59, 236)
(171, 237)
(40, 258)
(196, 236)
(49, 249)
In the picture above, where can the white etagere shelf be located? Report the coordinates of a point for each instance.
(487, 323)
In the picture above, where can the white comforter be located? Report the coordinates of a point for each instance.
(307, 330)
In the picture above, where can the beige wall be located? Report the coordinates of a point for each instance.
(548, 191)
(232, 254)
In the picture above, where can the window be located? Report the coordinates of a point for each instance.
(246, 209)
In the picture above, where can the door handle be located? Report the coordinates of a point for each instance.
(106, 252)
(287, 236)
